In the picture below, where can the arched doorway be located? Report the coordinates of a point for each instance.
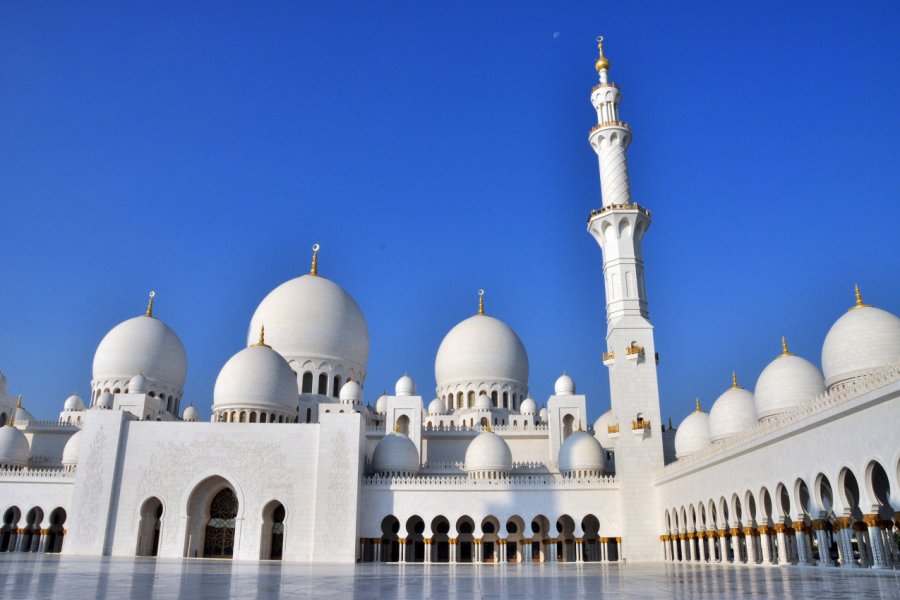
(56, 531)
(31, 541)
(440, 540)
(8, 532)
(218, 541)
(272, 544)
(151, 523)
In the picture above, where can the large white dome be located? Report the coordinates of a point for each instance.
(395, 453)
(257, 377)
(692, 434)
(862, 340)
(482, 351)
(14, 448)
(488, 453)
(141, 345)
(311, 318)
(581, 452)
(733, 412)
(786, 383)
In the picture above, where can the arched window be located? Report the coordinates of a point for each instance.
(243, 417)
(219, 540)
(403, 425)
(494, 399)
(505, 399)
(307, 383)
(148, 530)
(253, 417)
(568, 420)
(323, 384)
(337, 386)
(471, 399)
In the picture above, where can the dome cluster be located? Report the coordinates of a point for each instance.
(864, 340)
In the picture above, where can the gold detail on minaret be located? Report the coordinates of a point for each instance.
(734, 383)
(784, 348)
(314, 270)
(859, 300)
(602, 63)
(262, 337)
(149, 312)
(480, 302)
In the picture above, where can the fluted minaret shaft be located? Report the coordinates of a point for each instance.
(609, 139)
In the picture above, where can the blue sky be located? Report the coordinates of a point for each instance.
(432, 149)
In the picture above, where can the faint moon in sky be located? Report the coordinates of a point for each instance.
(555, 35)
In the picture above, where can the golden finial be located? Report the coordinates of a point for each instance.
(602, 63)
(314, 270)
(262, 337)
(397, 426)
(697, 402)
(480, 302)
(19, 402)
(150, 304)
(579, 426)
(734, 383)
(859, 300)
(487, 424)
(784, 348)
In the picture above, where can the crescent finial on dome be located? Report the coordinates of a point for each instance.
(697, 401)
(314, 270)
(784, 348)
(859, 300)
(262, 337)
(149, 312)
(480, 302)
(602, 63)
(734, 383)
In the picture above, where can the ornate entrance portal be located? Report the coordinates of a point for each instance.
(219, 539)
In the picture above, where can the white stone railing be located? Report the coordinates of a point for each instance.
(525, 467)
(36, 473)
(439, 482)
(45, 424)
(835, 396)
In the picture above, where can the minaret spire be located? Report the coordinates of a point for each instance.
(480, 302)
(149, 312)
(314, 269)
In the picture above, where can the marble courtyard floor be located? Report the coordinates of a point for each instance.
(35, 576)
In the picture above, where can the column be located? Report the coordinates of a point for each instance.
(890, 547)
(428, 550)
(876, 541)
(525, 550)
(453, 550)
(843, 531)
(604, 557)
(781, 539)
(736, 544)
(723, 545)
(619, 549)
(501, 550)
(819, 526)
(701, 540)
(663, 539)
(803, 556)
(765, 544)
(376, 550)
(688, 547)
(401, 554)
(749, 532)
(361, 554)
(579, 550)
(862, 543)
(476, 551)
(681, 547)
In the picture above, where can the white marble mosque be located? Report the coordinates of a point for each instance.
(297, 464)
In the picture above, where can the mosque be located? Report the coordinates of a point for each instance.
(294, 465)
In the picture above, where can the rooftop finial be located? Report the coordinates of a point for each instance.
(314, 270)
(697, 401)
(734, 383)
(150, 304)
(784, 348)
(480, 302)
(262, 337)
(602, 63)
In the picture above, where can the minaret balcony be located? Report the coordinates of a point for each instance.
(605, 124)
(632, 206)
(613, 430)
(605, 84)
(640, 427)
(609, 358)
(634, 353)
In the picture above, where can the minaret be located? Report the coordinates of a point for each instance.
(619, 227)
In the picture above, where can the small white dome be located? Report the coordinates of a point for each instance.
(786, 383)
(528, 406)
(543, 414)
(256, 377)
(70, 452)
(23, 415)
(481, 349)
(564, 386)
(191, 414)
(14, 448)
(437, 407)
(405, 386)
(311, 317)
(692, 434)
(381, 405)
(351, 393)
(105, 401)
(862, 340)
(601, 429)
(74, 402)
(483, 402)
(4, 383)
(395, 453)
(733, 412)
(138, 384)
(581, 452)
(141, 345)
(488, 452)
